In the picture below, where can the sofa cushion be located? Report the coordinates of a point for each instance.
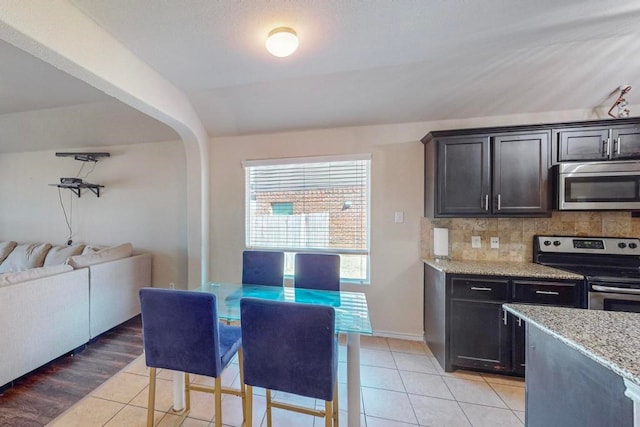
(33, 273)
(25, 256)
(92, 249)
(60, 254)
(103, 255)
(5, 249)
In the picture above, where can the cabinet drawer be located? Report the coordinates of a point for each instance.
(555, 293)
(477, 289)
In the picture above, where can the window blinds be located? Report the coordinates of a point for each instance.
(327, 205)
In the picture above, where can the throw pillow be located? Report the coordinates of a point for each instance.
(5, 249)
(25, 256)
(60, 254)
(103, 255)
(90, 249)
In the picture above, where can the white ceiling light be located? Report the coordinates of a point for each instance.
(282, 41)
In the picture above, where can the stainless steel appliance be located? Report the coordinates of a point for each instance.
(597, 186)
(610, 265)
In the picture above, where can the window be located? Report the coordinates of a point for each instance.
(311, 205)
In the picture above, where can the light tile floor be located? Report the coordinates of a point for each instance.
(402, 385)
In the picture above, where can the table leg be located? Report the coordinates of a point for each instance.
(178, 391)
(353, 380)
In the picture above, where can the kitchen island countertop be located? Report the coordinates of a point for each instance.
(501, 268)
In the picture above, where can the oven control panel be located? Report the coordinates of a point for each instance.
(588, 245)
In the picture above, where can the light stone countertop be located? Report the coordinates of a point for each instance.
(501, 268)
(608, 337)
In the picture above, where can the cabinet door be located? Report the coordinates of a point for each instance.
(518, 345)
(626, 142)
(521, 173)
(463, 177)
(584, 144)
(479, 335)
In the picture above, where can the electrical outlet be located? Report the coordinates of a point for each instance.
(399, 217)
(476, 242)
(495, 243)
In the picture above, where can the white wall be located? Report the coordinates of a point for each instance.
(395, 292)
(143, 202)
(395, 295)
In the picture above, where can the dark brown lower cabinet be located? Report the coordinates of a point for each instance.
(518, 333)
(466, 326)
(479, 335)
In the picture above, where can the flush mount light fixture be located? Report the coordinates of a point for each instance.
(282, 41)
(621, 103)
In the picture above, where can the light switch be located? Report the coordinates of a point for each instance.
(495, 243)
(399, 217)
(475, 242)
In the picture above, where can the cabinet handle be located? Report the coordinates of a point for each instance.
(608, 147)
(504, 316)
(484, 202)
(617, 144)
(499, 202)
(548, 292)
(519, 322)
(605, 144)
(476, 288)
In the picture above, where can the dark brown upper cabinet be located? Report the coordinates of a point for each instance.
(505, 171)
(598, 143)
(487, 174)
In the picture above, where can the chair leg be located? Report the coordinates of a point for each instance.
(187, 393)
(248, 410)
(328, 414)
(243, 388)
(336, 411)
(151, 406)
(268, 408)
(218, 396)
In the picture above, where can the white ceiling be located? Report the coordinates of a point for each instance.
(358, 63)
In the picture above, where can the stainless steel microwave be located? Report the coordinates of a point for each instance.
(597, 186)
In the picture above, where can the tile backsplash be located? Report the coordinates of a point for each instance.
(516, 234)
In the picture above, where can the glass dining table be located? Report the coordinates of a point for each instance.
(352, 319)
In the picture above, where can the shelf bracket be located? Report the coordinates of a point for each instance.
(77, 188)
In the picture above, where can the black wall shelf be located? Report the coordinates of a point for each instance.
(77, 187)
(84, 156)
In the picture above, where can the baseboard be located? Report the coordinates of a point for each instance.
(398, 336)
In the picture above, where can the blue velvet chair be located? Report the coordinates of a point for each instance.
(181, 332)
(317, 271)
(263, 268)
(290, 347)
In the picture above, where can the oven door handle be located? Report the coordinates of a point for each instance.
(616, 290)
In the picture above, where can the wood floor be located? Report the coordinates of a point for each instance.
(42, 395)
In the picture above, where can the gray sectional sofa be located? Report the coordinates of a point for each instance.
(54, 299)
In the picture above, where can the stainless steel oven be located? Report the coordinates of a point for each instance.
(610, 267)
(597, 186)
(614, 297)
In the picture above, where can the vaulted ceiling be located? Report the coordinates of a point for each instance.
(359, 63)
